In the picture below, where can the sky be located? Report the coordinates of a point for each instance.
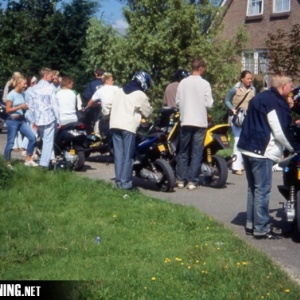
(112, 13)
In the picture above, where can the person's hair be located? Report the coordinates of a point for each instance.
(14, 78)
(20, 79)
(197, 63)
(29, 78)
(244, 73)
(66, 80)
(279, 79)
(44, 72)
(99, 72)
(106, 77)
(55, 73)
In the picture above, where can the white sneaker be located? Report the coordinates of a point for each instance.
(10, 167)
(30, 163)
(276, 168)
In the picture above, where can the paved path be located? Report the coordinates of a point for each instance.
(227, 205)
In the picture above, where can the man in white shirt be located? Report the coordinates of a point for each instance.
(193, 97)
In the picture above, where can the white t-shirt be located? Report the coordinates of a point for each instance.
(104, 93)
(66, 100)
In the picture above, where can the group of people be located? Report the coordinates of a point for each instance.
(258, 143)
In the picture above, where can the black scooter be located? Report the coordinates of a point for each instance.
(70, 142)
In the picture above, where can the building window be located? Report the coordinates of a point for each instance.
(281, 6)
(255, 7)
(255, 61)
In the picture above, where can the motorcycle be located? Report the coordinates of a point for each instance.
(214, 167)
(69, 144)
(290, 189)
(3, 117)
(148, 161)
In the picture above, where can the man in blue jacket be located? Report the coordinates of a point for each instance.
(93, 112)
(264, 134)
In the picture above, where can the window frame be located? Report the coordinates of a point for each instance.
(262, 8)
(282, 11)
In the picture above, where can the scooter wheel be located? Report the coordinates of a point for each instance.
(298, 212)
(80, 161)
(168, 181)
(220, 172)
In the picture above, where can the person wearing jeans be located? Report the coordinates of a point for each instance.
(264, 134)
(193, 98)
(15, 104)
(125, 108)
(45, 114)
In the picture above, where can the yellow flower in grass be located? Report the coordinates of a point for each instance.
(244, 263)
(287, 290)
(197, 246)
(262, 297)
(204, 263)
(182, 263)
(267, 277)
(167, 260)
(145, 287)
(197, 261)
(268, 294)
(153, 278)
(207, 227)
(178, 259)
(114, 216)
(218, 249)
(189, 267)
(206, 245)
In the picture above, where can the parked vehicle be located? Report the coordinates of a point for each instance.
(290, 189)
(3, 117)
(69, 145)
(214, 167)
(148, 162)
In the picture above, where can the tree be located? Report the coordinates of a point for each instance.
(283, 51)
(35, 34)
(167, 34)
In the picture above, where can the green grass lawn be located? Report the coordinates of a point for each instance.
(149, 248)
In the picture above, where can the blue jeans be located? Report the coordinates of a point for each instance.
(46, 132)
(124, 145)
(259, 177)
(190, 153)
(13, 126)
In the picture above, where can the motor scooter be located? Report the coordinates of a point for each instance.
(69, 144)
(214, 167)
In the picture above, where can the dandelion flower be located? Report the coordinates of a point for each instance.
(203, 271)
(207, 227)
(287, 290)
(205, 244)
(268, 277)
(244, 263)
(115, 216)
(238, 263)
(262, 297)
(268, 294)
(218, 249)
(153, 278)
(182, 263)
(197, 246)
(189, 267)
(197, 261)
(204, 263)
(178, 259)
(167, 260)
(206, 272)
(145, 287)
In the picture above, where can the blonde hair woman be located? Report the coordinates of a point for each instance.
(15, 107)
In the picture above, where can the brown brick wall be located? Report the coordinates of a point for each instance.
(258, 28)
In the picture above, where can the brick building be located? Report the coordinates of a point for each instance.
(260, 17)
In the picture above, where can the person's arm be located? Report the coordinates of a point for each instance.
(279, 122)
(55, 107)
(11, 109)
(229, 97)
(146, 109)
(208, 97)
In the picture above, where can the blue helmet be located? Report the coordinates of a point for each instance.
(180, 74)
(143, 79)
